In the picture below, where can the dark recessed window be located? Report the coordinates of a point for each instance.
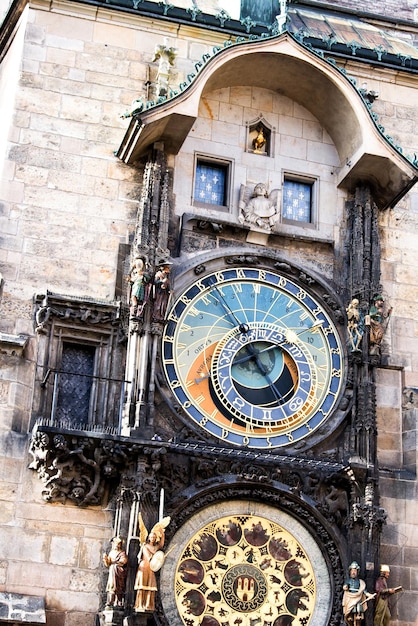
(74, 383)
(297, 200)
(211, 182)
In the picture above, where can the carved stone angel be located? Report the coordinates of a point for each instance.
(258, 209)
(150, 560)
(165, 57)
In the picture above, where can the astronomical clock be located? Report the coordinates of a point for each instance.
(252, 565)
(253, 360)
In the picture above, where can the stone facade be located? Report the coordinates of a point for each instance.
(70, 216)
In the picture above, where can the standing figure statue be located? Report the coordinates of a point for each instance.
(116, 561)
(165, 56)
(150, 560)
(355, 597)
(354, 326)
(139, 281)
(381, 608)
(378, 323)
(161, 291)
(260, 140)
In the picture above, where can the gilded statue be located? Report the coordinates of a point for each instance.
(150, 560)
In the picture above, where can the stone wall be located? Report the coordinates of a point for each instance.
(300, 146)
(67, 206)
(48, 551)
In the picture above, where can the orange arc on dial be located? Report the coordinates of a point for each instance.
(197, 383)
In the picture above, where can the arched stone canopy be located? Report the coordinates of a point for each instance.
(285, 66)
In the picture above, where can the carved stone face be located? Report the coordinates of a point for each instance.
(116, 543)
(260, 190)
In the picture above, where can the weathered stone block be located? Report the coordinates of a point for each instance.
(209, 107)
(291, 126)
(72, 601)
(66, 43)
(59, 58)
(231, 113)
(294, 147)
(21, 575)
(19, 608)
(224, 133)
(90, 556)
(319, 152)
(7, 511)
(57, 618)
(80, 618)
(83, 580)
(312, 130)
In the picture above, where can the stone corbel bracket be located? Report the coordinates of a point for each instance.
(86, 466)
(12, 345)
(77, 466)
(72, 309)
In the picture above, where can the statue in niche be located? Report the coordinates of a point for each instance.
(259, 140)
(355, 325)
(260, 210)
(116, 560)
(161, 291)
(378, 321)
(355, 597)
(150, 560)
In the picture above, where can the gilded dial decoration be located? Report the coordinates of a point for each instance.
(252, 358)
(244, 569)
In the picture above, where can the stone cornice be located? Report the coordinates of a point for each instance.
(12, 345)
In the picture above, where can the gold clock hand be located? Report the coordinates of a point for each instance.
(292, 335)
(243, 327)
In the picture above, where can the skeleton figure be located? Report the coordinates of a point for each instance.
(354, 326)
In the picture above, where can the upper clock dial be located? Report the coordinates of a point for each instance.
(252, 358)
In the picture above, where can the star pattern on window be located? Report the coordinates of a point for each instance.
(297, 201)
(210, 183)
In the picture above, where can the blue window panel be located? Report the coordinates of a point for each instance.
(210, 183)
(297, 201)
